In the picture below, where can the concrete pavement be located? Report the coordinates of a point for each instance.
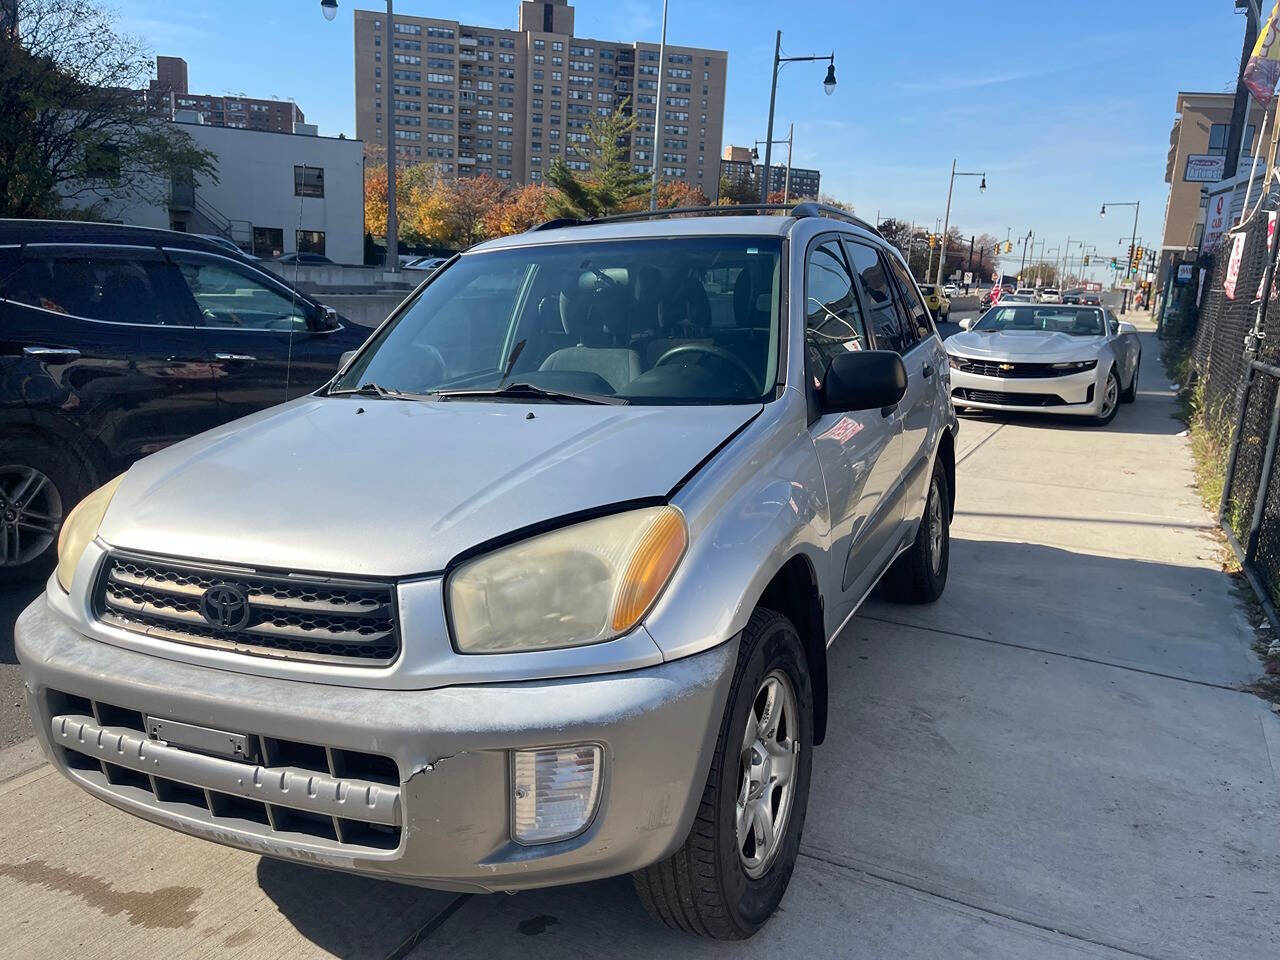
(1053, 761)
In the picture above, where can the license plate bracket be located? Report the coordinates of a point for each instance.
(206, 740)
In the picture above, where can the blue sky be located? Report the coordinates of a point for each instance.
(1066, 106)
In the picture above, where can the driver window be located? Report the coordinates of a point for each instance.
(228, 298)
(833, 318)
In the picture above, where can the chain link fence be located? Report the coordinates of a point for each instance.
(1237, 378)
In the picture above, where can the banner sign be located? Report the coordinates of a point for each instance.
(1233, 266)
(1263, 69)
(1184, 272)
(1215, 224)
(1204, 168)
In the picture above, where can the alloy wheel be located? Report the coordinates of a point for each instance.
(934, 519)
(770, 755)
(1110, 395)
(30, 514)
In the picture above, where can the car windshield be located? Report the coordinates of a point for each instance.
(927, 289)
(651, 321)
(1077, 323)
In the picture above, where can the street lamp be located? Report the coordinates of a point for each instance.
(1137, 205)
(828, 86)
(946, 224)
(330, 10)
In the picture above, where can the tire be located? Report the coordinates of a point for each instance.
(920, 574)
(39, 484)
(1110, 388)
(707, 887)
(1130, 393)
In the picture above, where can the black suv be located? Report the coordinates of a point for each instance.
(116, 341)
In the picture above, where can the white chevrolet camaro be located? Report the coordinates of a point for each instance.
(1046, 358)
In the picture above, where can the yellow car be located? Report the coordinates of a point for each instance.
(936, 301)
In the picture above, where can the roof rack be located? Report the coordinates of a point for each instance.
(799, 210)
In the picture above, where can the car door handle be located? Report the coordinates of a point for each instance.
(927, 372)
(234, 357)
(52, 354)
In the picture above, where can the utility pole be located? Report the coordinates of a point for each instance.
(657, 113)
(1240, 106)
(828, 87)
(946, 221)
(969, 268)
(1023, 265)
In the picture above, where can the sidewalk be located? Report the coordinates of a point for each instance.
(1053, 761)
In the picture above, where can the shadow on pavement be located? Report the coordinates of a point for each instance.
(14, 724)
(346, 915)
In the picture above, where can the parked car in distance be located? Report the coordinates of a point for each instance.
(228, 244)
(303, 258)
(951, 290)
(117, 341)
(1072, 296)
(1035, 358)
(937, 302)
(1031, 292)
(1050, 295)
(552, 639)
(424, 263)
(1090, 299)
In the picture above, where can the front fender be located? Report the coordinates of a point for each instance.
(757, 504)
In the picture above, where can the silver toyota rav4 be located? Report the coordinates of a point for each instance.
(539, 588)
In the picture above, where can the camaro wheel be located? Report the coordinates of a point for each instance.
(39, 485)
(1130, 393)
(729, 876)
(920, 574)
(1110, 399)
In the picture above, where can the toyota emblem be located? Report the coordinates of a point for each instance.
(226, 606)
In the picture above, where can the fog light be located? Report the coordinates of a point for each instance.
(555, 792)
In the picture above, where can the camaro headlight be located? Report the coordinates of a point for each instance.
(582, 584)
(1075, 365)
(954, 361)
(79, 529)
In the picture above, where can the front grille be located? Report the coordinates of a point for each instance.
(1010, 399)
(291, 616)
(286, 789)
(1013, 371)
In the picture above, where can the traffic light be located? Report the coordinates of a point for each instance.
(933, 239)
(1114, 264)
(1086, 259)
(1008, 246)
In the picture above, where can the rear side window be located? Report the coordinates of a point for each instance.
(108, 288)
(919, 325)
(833, 318)
(878, 289)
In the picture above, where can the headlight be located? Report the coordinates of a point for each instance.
(1075, 365)
(586, 583)
(954, 361)
(80, 527)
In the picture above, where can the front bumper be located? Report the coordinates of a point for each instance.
(447, 809)
(1077, 394)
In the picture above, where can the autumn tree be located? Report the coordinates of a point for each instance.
(680, 193)
(739, 191)
(610, 184)
(521, 211)
(74, 124)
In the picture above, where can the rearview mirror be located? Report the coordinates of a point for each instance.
(967, 322)
(863, 380)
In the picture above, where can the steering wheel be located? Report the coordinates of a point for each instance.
(712, 351)
(222, 319)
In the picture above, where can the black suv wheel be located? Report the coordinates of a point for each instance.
(39, 484)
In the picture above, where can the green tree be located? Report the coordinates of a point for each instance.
(73, 122)
(610, 184)
(741, 191)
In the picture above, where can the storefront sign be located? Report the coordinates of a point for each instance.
(1204, 168)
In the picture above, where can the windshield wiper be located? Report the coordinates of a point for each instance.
(527, 391)
(371, 389)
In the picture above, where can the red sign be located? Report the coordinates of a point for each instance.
(1233, 266)
(1215, 224)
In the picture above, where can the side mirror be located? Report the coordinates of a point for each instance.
(1126, 327)
(325, 319)
(345, 359)
(863, 380)
(967, 322)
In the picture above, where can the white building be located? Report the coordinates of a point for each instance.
(276, 193)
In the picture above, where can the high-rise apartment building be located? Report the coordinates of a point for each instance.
(507, 103)
(739, 166)
(168, 92)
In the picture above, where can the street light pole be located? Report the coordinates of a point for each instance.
(828, 86)
(786, 183)
(657, 114)
(1137, 205)
(946, 221)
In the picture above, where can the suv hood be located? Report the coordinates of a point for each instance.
(1036, 346)
(389, 488)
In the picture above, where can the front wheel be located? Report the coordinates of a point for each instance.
(1130, 392)
(728, 878)
(39, 484)
(1110, 399)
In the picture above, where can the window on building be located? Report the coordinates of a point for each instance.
(268, 242)
(308, 181)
